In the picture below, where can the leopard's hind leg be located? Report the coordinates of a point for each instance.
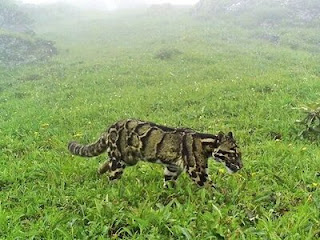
(115, 168)
(171, 173)
(104, 167)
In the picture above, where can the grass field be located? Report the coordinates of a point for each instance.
(173, 69)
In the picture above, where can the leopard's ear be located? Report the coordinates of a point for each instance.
(220, 135)
(230, 135)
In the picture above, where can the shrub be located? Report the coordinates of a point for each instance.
(168, 53)
(311, 122)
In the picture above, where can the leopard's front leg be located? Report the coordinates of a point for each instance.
(200, 177)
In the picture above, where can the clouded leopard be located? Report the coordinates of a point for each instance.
(178, 149)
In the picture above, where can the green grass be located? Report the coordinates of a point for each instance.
(224, 78)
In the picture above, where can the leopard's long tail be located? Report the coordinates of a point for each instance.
(90, 150)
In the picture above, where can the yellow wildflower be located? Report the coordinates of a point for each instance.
(78, 135)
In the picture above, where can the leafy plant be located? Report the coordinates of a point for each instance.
(311, 122)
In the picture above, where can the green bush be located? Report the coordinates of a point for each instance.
(311, 122)
(167, 53)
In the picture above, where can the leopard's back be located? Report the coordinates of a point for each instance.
(132, 140)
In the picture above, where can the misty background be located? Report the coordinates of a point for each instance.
(111, 4)
(274, 21)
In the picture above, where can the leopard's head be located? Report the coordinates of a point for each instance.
(228, 152)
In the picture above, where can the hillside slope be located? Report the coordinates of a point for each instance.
(18, 42)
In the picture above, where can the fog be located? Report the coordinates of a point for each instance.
(114, 1)
(112, 4)
(272, 22)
